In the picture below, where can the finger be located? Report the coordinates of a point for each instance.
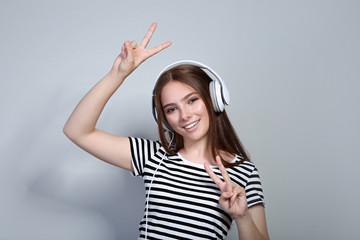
(238, 192)
(148, 36)
(227, 194)
(157, 49)
(225, 197)
(228, 187)
(222, 170)
(213, 176)
(134, 44)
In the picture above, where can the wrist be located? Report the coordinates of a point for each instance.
(116, 76)
(242, 217)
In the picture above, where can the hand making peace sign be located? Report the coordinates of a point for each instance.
(233, 197)
(132, 55)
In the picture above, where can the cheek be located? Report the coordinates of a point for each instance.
(204, 112)
(201, 109)
(171, 119)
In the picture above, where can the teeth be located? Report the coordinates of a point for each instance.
(191, 125)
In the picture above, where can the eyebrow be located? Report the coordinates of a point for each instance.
(183, 99)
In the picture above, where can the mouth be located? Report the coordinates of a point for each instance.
(191, 125)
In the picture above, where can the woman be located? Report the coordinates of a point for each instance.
(190, 194)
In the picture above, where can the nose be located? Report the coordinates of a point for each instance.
(185, 114)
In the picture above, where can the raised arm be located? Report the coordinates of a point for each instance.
(81, 125)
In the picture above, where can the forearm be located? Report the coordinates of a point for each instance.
(86, 114)
(247, 229)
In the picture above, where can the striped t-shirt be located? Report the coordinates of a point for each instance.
(183, 200)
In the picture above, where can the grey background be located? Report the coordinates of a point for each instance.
(292, 68)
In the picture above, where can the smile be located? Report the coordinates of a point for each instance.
(191, 125)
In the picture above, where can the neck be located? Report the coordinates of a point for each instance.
(197, 152)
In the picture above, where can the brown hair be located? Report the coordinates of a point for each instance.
(222, 136)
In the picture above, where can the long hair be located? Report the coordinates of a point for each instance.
(222, 136)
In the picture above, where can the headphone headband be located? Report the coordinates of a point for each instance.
(225, 91)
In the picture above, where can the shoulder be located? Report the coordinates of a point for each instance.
(243, 172)
(144, 152)
(246, 167)
(138, 142)
(144, 148)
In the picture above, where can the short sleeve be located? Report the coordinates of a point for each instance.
(254, 191)
(141, 151)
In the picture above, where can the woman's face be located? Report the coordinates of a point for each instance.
(185, 111)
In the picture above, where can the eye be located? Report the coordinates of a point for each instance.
(170, 110)
(193, 100)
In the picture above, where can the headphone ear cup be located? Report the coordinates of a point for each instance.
(216, 96)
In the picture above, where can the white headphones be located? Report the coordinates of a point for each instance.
(218, 91)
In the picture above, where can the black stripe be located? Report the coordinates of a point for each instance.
(241, 171)
(253, 189)
(219, 210)
(203, 178)
(255, 195)
(210, 183)
(175, 229)
(182, 194)
(207, 189)
(192, 218)
(162, 233)
(182, 223)
(257, 183)
(142, 236)
(255, 201)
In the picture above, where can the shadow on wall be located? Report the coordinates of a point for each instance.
(102, 201)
